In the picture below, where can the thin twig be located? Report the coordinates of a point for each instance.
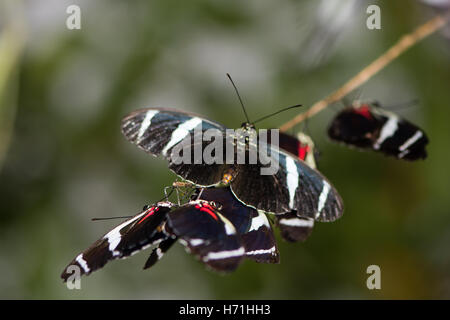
(378, 64)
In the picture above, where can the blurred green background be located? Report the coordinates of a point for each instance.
(63, 159)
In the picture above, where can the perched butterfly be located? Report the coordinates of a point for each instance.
(368, 126)
(131, 236)
(294, 186)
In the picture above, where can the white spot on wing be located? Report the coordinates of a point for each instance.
(259, 221)
(181, 132)
(82, 263)
(229, 227)
(224, 254)
(146, 124)
(297, 222)
(261, 251)
(323, 197)
(159, 253)
(292, 179)
(114, 235)
(387, 131)
(411, 140)
(196, 242)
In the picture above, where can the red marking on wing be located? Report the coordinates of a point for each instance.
(302, 151)
(364, 110)
(208, 209)
(150, 211)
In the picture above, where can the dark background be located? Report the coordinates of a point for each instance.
(63, 159)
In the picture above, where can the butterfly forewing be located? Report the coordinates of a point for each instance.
(157, 131)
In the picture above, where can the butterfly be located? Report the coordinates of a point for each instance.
(135, 234)
(369, 126)
(294, 186)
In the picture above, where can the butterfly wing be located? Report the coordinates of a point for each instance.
(178, 137)
(400, 138)
(295, 186)
(294, 228)
(160, 250)
(259, 241)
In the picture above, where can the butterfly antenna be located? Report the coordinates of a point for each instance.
(279, 111)
(239, 97)
(166, 197)
(401, 105)
(110, 218)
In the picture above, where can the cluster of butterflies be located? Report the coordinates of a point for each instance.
(223, 220)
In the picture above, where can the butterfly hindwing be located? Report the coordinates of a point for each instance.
(294, 228)
(259, 241)
(158, 252)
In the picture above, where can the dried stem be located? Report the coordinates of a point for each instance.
(378, 64)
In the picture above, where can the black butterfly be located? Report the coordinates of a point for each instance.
(131, 236)
(295, 186)
(368, 126)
